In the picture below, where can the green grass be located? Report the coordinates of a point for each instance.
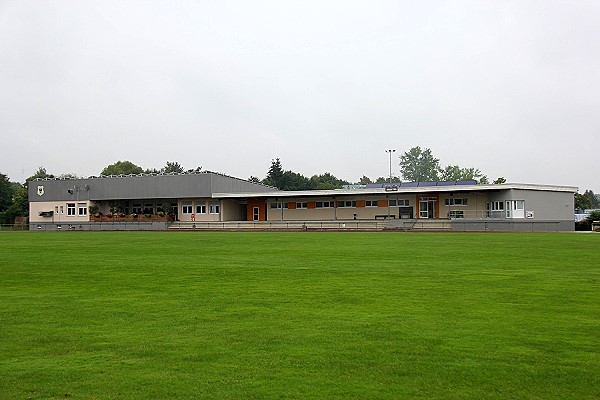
(162, 315)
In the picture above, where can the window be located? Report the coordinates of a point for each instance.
(148, 208)
(347, 204)
(456, 201)
(371, 203)
(71, 209)
(399, 203)
(136, 208)
(457, 214)
(214, 208)
(62, 209)
(56, 210)
(82, 209)
(495, 209)
(279, 205)
(301, 205)
(200, 208)
(186, 209)
(324, 204)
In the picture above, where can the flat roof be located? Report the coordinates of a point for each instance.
(401, 190)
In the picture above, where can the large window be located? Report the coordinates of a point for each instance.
(214, 208)
(347, 204)
(371, 203)
(71, 209)
(277, 205)
(495, 209)
(136, 208)
(399, 203)
(200, 208)
(81, 209)
(301, 205)
(186, 209)
(324, 204)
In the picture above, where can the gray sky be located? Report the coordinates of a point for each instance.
(509, 87)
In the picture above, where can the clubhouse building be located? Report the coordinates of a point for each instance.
(209, 200)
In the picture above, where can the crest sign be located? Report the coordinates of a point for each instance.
(40, 191)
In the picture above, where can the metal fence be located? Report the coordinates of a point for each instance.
(280, 225)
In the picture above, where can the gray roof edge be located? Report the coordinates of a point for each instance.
(93, 177)
(407, 190)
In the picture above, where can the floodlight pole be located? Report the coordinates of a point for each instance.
(390, 151)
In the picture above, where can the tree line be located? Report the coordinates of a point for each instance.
(416, 165)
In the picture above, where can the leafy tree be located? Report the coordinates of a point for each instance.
(192, 170)
(294, 181)
(593, 217)
(456, 173)
(122, 168)
(172, 167)
(68, 176)
(326, 181)
(365, 180)
(594, 199)
(7, 191)
(40, 173)
(419, 165)
(582, 202)
(253, 179)
(499, 181)
(381, 179)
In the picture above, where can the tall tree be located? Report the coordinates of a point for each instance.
(275, 174)
(365, 180)
(419, 165)
(594, 198)
(122, 168)
(456, 173)
(582, 202)
(172, 167)
(326, 181)
(294, 181)
(7, 191)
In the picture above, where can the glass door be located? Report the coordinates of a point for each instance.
(427, 207)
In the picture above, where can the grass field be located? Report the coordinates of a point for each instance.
(162, 315)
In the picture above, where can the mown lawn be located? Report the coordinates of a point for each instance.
(163, 315)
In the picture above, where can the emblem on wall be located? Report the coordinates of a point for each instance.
(40, 190)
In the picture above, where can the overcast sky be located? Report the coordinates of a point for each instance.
(509, 87)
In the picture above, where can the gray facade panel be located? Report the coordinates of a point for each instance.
(141, 187)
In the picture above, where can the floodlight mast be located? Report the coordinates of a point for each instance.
(390, 151)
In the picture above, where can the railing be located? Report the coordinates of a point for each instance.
(281, 225)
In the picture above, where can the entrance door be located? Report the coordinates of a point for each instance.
(427, 207)
(515, 209)
(255, 214)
